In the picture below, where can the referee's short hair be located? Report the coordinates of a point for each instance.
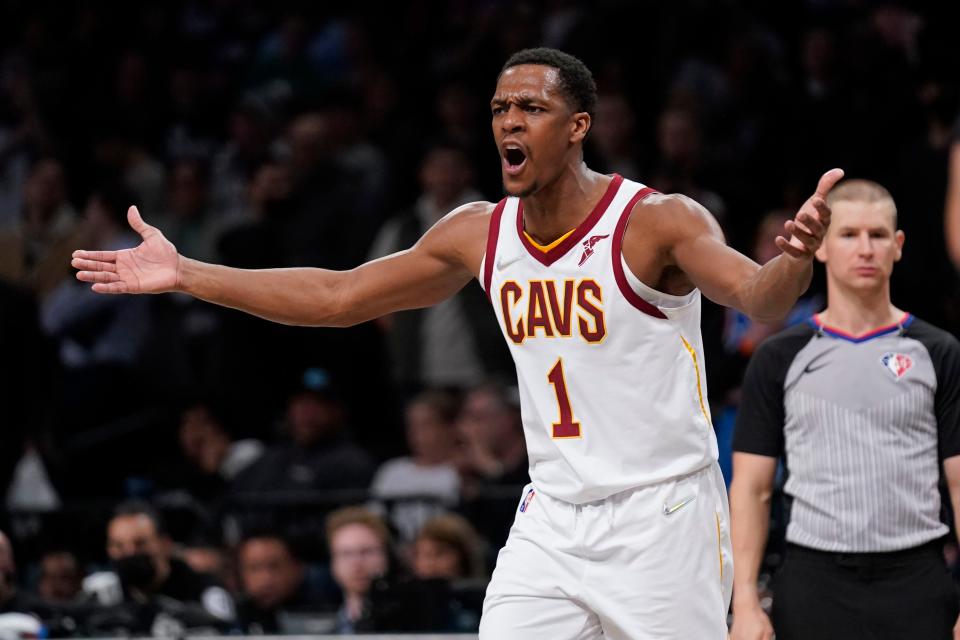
(859, 190)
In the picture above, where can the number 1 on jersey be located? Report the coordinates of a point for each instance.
(567, 427)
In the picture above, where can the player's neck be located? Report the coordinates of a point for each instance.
(562, 205)
(859, 312)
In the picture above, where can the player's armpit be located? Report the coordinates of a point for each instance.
(685, 235)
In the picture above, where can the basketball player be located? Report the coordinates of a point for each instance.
(596, 282)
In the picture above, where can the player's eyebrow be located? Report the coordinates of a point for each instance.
(521, 101)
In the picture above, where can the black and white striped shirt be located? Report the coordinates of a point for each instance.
(864, 423)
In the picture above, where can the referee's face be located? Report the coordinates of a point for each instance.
(861, 245)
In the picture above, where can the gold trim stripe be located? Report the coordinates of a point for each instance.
(696, 368)
(546, 248)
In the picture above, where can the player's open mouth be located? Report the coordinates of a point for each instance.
(514, 160)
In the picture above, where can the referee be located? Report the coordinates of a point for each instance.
(863, 401)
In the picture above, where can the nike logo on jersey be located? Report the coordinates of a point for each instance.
(588, 245)
(503, 263)
(668, 510)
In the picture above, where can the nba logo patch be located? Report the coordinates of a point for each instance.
(896, 363)
(527, 499)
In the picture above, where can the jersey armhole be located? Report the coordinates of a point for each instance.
(617, 251)
(493, 234)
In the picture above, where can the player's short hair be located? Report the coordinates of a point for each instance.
(576, 81)
(357, 515)
(859, 190)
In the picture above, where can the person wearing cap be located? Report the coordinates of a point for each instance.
(319, 455)
(863, 402)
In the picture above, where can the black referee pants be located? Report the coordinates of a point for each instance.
(902, 595)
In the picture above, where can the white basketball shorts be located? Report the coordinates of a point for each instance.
(653, 562)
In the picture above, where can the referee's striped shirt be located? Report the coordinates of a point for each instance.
(864, 423)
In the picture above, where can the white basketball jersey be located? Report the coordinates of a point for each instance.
(611, 375)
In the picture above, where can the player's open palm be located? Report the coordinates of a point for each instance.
(751, 625)
(151, 267)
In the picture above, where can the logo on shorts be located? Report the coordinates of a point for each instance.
(527, 499)
(588, 245)
(670, 510)
(896, 363)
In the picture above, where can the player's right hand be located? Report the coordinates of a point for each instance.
(751, 624)
(152, 267)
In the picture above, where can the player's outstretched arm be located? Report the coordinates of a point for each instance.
(442, 262)
(766, 293)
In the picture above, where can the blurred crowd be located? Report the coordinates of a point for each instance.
(165, 462)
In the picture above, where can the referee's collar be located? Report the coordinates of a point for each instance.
(823, 329)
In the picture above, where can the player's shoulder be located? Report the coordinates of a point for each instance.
(673, 215)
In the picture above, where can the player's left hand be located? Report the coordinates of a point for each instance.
(956, 630)
(809, 226)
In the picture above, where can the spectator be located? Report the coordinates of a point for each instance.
(429, 472)
(492, 458)
(189, 222)
(272, 579)
(206, 441)
(8, 585)
(319, 455)
(12, 599)
(359, 543)
(447, 547)
(60, 577)
(952, 211)
(144, 567)
(34, 254)
(454, 343)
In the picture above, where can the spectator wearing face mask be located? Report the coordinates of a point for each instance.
(145, 571)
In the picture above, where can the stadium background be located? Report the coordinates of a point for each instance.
(289, 134)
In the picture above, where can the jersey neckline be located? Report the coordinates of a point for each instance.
(903, 323)
(560, 249)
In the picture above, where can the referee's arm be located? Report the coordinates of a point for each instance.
(757, 444)
(750, 493)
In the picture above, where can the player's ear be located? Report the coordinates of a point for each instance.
(579, 126)
(899, 238)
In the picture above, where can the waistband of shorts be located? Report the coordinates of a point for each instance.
(867, 558)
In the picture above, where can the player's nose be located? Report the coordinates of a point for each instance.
(512, 120)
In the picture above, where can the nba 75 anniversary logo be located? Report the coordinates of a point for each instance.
(896, 363)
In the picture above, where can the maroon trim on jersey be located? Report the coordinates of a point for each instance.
(493, 234)
(549, 257)
(617, 252)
